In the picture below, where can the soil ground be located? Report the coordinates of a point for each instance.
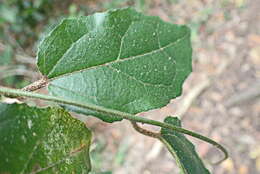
(220, 98)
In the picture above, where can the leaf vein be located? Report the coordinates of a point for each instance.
(124, 59)
(138, 80)
(122, 40)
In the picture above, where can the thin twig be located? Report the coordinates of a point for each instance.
(145, 131)
(201, 87)
(191, 96)
(244, 96)
(107, 111)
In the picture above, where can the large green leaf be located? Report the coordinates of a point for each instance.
(45, 141)
(182, 149)
(119, 59)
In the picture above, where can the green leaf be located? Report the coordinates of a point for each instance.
(45, 141)
(119, 59)
(182, 149)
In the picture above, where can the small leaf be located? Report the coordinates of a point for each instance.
(45, 141)
(120, 59)
(182, 149)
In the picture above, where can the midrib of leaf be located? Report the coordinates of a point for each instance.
(84, 35)
(71, 46)
(122, 41)
(127, 75)
(138, 80)
(123, 59)
(49, 35)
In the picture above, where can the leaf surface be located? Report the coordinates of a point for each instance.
(119, 59)
(182, 149)
(45, 141)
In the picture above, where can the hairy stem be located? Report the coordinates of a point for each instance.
(36, 85)
(100, 109)
(144, 131)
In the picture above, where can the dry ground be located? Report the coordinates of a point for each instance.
(220, 99)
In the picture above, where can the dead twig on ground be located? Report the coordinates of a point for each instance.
(244, 96)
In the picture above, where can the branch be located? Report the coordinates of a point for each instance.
(103, 110)
(144, 131)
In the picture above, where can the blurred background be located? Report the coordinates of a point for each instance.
(221, 99)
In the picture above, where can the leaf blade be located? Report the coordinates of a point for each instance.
(128, 62)
(182, 149)
(42, 141)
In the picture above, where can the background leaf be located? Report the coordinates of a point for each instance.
(119, 59)
(182, 149)
(49, 140)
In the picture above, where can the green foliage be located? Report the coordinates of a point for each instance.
(119, 59)
(21, 17)
(182, 149)
(47, 140)
(111, 65)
